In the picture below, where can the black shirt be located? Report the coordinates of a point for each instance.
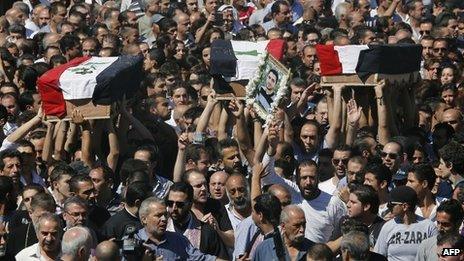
(19, 217)
(219, 212)
(21, 237)
(98, 215)
(117, 224)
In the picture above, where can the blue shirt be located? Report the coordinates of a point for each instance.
(266, 250)
(173, 247)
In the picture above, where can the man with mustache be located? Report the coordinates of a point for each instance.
(48, 230)
(239, 207)
(449, 218)
(201, 235)
(293, 224)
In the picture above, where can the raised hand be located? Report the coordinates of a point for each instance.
(353, 112)
(236, 108)
(183, 141)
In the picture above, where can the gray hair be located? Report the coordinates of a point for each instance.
(23, 7)
(74, 239)
(341, 9)
(247, 186)
(48, 217)
(357, 244)
(74, 200)
(145, 206)
(285, 214)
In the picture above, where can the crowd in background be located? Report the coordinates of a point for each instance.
(340, 173)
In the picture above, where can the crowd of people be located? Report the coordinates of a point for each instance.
(176, 173)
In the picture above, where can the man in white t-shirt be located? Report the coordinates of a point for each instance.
(400, 237)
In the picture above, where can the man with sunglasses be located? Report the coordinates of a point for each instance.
(201, 235)
(449, 218)
(400, 237)
(340, 160)
(392, 156)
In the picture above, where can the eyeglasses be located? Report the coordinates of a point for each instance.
(77, 214)
(390, 155)
(424, 32)
(170, 203)
(337, 161)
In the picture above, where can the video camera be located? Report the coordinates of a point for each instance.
(132, 248)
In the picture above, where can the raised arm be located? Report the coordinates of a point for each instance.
(243, 138)
(336, 120)
(179, 166)
(391, 9)
(353, 116)
(382, 112)
(86, 146)
(206, 114)
(47, 151)
(24, 129)
(113, 155)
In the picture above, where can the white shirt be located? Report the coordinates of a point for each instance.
(233, 217)
(328, 186)
(322, 213)
(31, 253)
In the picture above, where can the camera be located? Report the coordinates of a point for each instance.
(218, 19)
(132, 248)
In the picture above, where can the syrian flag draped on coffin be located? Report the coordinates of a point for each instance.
(366, 60)
(102, 79)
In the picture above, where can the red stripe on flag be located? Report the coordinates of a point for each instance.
(276, 47)
(329, 61)
(49, 88)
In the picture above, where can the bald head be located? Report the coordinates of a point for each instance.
(107, 251)
(76, 243)
(454, 118)
(281, 193)
(290, 212)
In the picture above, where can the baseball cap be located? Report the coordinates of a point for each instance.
(403, 194)
(224, 7)
(156, 18)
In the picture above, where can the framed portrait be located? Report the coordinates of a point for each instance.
(267, 88)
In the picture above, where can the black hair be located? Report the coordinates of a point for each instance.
(129, 166)
(68, 41)
(270, 207)
(453, 208)
(60, 170)
(183, 187)
(306, 163)
(424, 172)
(453, 153)
(6, 187)
(9, 153)
(75, 180)
(380, 172)
(367, 195)
(137, 191)
(44, 201)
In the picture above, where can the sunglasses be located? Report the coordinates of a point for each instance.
(179, 204)
(337, 161)
(424, 32)
(390, 155)
(391, 204)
